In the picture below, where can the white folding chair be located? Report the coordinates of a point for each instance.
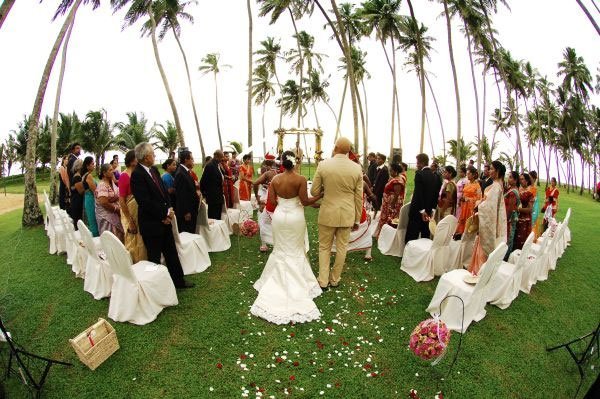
(215, 232)
(424, 258)
(473, 296)
(461, 251)
(55, 229)
(140, 291)
(98, 276)
(192, 250)
(391, 240)
(535, 265)
(76, 253)
(506, 282)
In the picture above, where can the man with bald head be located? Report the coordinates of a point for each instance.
(340, 181)
(211, 186)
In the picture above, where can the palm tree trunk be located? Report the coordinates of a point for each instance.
(348, 54)
(249, 104)
(421, 75)
(363, 125)
(397, 98)
(587, 14)
(582, 175)
(217, 112)
(454, 75)
(366, 131)
(299, 122)
(5, 9)
(32, 215)
(54, 127)
(430, 137)
(393, 97)
(164, 76)
(483, 112)
(437, 108)
(546, 163)
(516, 122)
(557, 164)
(264, 136)
(187, 71)
(339, 118)
(280, 92)
(479, 136)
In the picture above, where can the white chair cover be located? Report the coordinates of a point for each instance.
(55, 229)
(423, 258)
(462, 251)
(76, 253)
(140, 291)
(215, 232)
(360, 240)
(98, 276)
(264, 224)
(192, 250)
(534, 265)
(473, 296)
(506, 282)
(391, 240)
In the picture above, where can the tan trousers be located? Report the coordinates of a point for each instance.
(326, 235)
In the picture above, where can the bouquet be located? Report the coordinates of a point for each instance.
(249, 228)
(430, 339)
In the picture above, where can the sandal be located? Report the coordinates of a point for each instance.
(263, 248)
(368, 258)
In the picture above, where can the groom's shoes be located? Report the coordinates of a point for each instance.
(324, 289)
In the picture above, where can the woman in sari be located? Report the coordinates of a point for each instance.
(64, 184)
(129, 212)
(393, 197)
(108, 211)
(227, 181)
(511, 202)
(246, 174)
(447, 200)
(492, 219)
(460, 185)
(77, 193)
(470, 196)
(551, 197)
(535, 210)
(89, 201)
(527, 200)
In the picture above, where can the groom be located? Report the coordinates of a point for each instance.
(340, 181)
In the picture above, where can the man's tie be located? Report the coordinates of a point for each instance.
(155, 179)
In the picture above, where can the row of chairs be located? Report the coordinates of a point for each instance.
(138, 291)
(499, 282)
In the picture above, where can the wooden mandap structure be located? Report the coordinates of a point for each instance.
(318, 133)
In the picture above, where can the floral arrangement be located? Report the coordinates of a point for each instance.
(430, 339)
(249, 228)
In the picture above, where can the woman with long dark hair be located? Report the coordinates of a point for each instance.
(108, 210)
(89, 201)
(511, 202)
(525, 210)
(129, 212)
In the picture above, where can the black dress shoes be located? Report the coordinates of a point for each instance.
(186, 284)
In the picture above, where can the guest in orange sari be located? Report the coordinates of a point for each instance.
(511, 202)
(492, 218)
(551, 197)
(527, 200)
(471, 194)
(393, 197)
(246, 174)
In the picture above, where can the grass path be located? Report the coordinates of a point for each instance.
(357, 350)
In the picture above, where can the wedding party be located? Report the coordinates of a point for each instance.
(273, 199)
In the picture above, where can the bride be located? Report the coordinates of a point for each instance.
(287, 285)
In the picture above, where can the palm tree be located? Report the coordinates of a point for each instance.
(132, 132)
(413, 37)
(262, 90)
(166, 136)
(289, 101)
(460, 150)
(5, 9)
(577, 78)
(69, 127)
(269, 53)
(96, 135)
(515, 81)
(10, 153)
(382, 16)
(32, 215)
(211, 64)
(137, 10)
(454, 75)
(168, 13)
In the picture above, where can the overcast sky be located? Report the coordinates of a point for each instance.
(115, 70)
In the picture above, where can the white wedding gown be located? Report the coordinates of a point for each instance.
(287, 285)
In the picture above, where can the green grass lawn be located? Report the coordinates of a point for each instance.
(357, 350)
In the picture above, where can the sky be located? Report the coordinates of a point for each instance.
(113, 68)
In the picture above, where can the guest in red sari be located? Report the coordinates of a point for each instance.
(551, 197)
(228, 180)
(524, 222)
(246, 174)
(393, 197)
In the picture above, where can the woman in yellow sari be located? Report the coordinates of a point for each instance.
(471, 194)
(129, 212)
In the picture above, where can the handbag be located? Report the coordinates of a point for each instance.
(472, 224)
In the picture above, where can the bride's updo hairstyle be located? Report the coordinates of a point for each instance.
(287, 160)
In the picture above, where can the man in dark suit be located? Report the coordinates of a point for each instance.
(424, 200)
(186, 195)
(372, 171)
(485, 180)
(381, 179)
(155, 214)
(211, 186)
(73, 156)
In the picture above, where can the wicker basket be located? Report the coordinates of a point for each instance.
(96, 344)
